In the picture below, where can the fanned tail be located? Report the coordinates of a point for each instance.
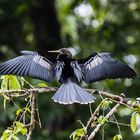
(70, 93)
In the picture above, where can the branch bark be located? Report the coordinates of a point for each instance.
(33, 110)
(113, 110)
(34, 91)
(115, 98)
(92, 116)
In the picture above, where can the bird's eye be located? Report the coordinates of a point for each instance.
(63, 51)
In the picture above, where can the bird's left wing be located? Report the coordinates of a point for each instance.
(28, 64)
(101, 66)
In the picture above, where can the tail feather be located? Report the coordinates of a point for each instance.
(70, 93)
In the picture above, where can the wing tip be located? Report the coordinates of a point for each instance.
(25, 52)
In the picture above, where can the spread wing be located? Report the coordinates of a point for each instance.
(29, 64)
(101, 66)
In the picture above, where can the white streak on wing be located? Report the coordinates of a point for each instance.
(77, 70)
(58, 69)
(39, 60)
(93, 62)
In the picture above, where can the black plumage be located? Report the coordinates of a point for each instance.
(68, 71)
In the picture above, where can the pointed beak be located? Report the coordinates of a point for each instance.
(54, 51)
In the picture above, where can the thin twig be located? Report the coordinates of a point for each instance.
(27, 82)
(93, 115)
(33, 111)
(38, 116)
(112, 115)
(123, 124)
(113, 110)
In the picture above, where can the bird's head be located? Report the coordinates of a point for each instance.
(62, 51)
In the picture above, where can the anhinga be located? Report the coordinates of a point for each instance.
(68, 71)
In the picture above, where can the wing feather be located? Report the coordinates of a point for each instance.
(29, 64)
(101, 66)
(58, 69)
(77, 70)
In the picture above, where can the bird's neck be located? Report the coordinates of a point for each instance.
(63, 57)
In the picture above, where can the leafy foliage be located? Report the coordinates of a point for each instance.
(117, 137)
(12, 132)
(77, 134)
(135, 116)
(9, 82)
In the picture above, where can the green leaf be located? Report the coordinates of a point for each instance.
(106, 103)
(19, 127)
(27, 109)
(102, 119)
(133, 123)
(117, 137)
(42, 85)
(23, 131)
(6, 134)
(10, 82)
(12, 133)
(15, 138)
(14, 83)
(12, 137)
(4, 102)
(21, 80)
(4, 84)
(19, 111)
(77, 134)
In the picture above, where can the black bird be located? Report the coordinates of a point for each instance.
(68, 71)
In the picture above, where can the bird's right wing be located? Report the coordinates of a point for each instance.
(29, 64)
(101, 66)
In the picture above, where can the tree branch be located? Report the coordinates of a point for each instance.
(33, 110)
(93, 115)
(34, 91)
(115, 98)
(113, 110)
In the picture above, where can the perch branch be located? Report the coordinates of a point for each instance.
(115, 98)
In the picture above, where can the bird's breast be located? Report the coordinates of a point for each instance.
(67, 72)
(64, 70)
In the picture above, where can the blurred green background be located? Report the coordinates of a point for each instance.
(88, 26)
